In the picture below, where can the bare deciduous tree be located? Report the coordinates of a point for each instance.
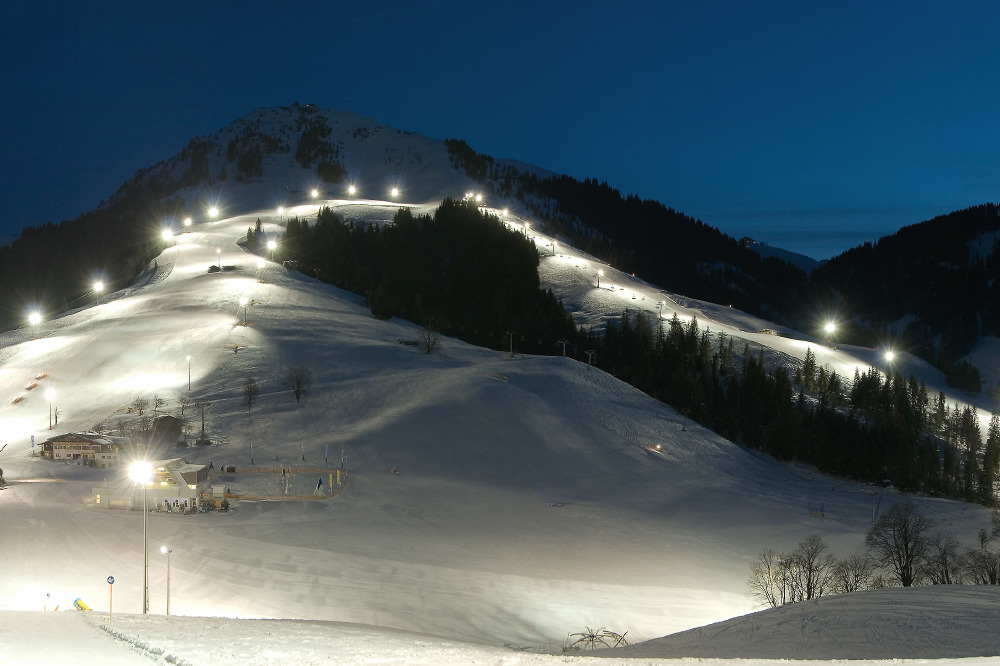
(140, 405)
(853, 573)
(769, 583)
(428, 338)
(943, 563)
(812, 570)
(185, 401)
(983, 566)
(805, 573)
(298, 378)
(899, 541)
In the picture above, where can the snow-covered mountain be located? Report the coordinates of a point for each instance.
(526, 508)
(527, 505)
(801, 261)
(273, 158)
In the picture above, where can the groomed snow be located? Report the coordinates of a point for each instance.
(527, 507)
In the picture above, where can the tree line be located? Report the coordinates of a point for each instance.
(459, 271)
(878, 427)
(901, 551)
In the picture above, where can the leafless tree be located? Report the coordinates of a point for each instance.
(853, 573)
(428, 338)
(140, 405)
(811, 569)
(251, 389)
(157, 403)
(805, 573)
(983, 566)
(769, 583)
(298, 378)
(899, 541)
(185, 401)
(943, 563)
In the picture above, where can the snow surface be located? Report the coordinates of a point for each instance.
(527, 507)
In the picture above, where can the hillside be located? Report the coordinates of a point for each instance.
(932, 286)
(526, 508)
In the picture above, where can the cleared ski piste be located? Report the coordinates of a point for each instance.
(524, 510)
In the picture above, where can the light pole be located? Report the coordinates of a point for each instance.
(189, 372)
(187, 221)
(314, 193)
(395, 192)
(243, 303)
(141, 471)
(166, 551)
(213, 212)
(270, 246)
(600, 274)
(218, 257)
(352, 190)
(98, 288)
(50, 394)
(34, 319)
(281, 214)
(829, 328)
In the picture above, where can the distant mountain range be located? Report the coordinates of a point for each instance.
(929, 287)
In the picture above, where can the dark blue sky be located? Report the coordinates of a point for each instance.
(811, 126)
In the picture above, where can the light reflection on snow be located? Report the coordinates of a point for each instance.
(148, 381)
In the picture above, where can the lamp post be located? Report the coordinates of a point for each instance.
(270, 246)
(829, 328)
(166, 551)
(395, 192)
(314, 193)
(187, 221)
(218, 257)
(50, 394)
(281, 214)
(243, 303)
(189, 372)
(34, 319)
(352, 190)
(600, 274)
(213, 212)
(141, 471)
(98, 288)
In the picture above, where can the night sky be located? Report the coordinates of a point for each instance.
(810, 126)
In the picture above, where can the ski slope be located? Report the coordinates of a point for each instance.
(526, 509)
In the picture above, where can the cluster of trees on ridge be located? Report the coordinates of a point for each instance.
(52, 268)
(901, 552)
(874, 428)
(642, 237)
(434, 270)
(940, 276)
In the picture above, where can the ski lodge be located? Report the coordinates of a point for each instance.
(85, 448)
(176, 486)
